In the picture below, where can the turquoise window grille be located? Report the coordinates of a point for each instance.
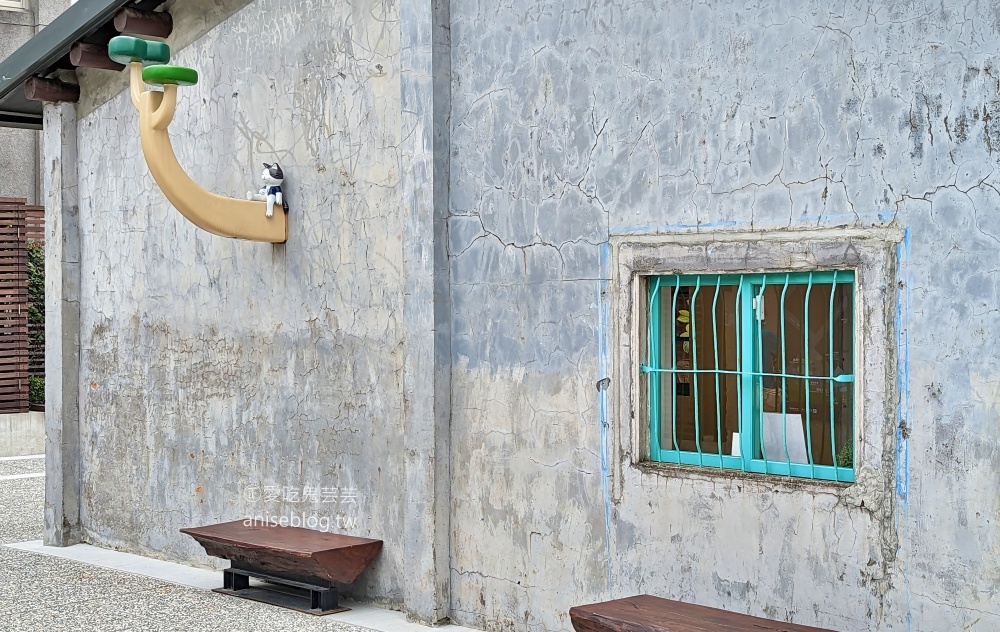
(753, 372)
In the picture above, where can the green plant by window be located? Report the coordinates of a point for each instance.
(845, 458)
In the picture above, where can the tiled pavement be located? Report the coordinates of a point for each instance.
(42, 592)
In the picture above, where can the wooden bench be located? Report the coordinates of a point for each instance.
(300, 566)
(646, 613)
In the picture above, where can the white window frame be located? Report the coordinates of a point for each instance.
(13, 5)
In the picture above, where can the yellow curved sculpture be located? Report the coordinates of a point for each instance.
(219, 215)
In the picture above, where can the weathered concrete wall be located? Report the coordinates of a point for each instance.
(18, 147)
(22, 434)
(573, 122)
(213, 369)
(62, 325)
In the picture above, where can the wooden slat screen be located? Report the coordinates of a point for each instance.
(13, 306)
(34, 220)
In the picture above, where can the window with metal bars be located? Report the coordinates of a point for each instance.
(753, 372)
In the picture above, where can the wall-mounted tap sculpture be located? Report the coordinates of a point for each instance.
(224, 216)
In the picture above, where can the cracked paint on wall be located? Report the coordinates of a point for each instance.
(572, 122)
(210, 365)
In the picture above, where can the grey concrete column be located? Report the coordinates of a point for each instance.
(441, 84)
(426, 105)
(62, 326)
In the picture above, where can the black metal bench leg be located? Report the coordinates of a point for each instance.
(234, 581)
(324, 600)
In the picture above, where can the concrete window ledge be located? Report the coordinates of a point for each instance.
(871, 253)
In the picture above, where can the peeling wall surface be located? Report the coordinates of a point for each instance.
(576, 121)
(213, 372)
(223, 379)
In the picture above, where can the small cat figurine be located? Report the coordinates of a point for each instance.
(271, 191)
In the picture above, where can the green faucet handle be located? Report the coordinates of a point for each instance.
(161, 75)
(124, 50)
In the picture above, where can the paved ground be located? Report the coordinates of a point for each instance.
(20, 466)
(21, 504)
(41, 592)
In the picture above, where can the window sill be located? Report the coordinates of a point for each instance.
(752, 481)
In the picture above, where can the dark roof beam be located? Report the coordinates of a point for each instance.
(51, 90)
(52, 44)
(130, 21)
(85, 55)
(87, 22)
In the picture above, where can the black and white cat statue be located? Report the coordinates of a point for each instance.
(271, 191)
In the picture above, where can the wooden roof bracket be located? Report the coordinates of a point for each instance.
(51, 90)
(219, 215)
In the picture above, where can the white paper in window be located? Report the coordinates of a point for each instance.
(779, 429)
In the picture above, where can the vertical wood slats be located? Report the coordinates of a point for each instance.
(14, 301)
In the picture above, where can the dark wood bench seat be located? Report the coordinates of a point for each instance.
(304, 563)
(646, 613)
